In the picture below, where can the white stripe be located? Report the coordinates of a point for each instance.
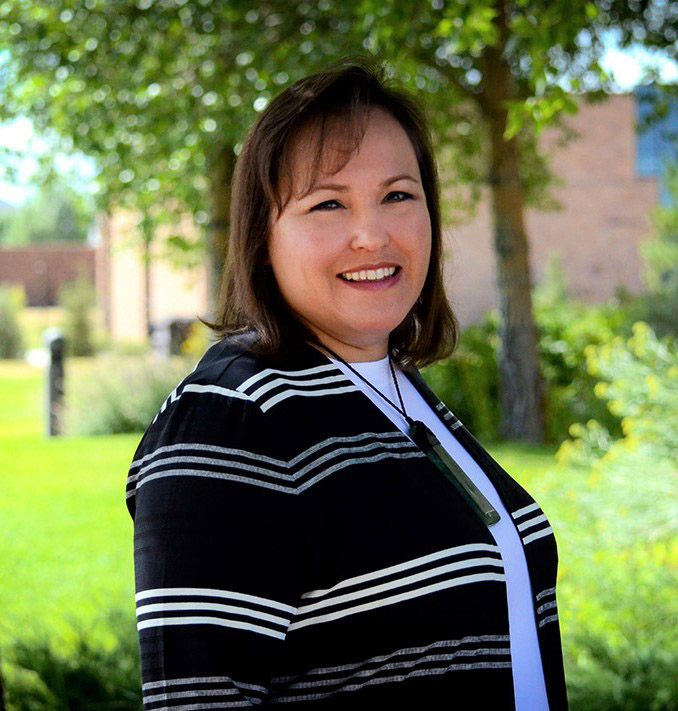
(201, 680)
(259, 458)
(212, 475)
(400, 582)
(361, 460)
(399, 678)
(351, 450)
(405, 664)
(544, 593)
(218, 621)
(546, 620)
(525, 510)
(537, 534)
(207, 448)
(285, 489)
(486, 638)
(289, 373)
(531, 522)
(218, 706)
(213, 389)
(213, 592)
(256, 395)
(196, 693)
(210, 607)
(414, 563)
(346, 440)
(419, 592)
(306, 393)
(546, 606)
(224, 463)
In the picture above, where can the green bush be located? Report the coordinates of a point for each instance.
(77, 298)
(659, 305)
(12, 301)
(121, 394)
(468, 382)
(83, 675)
(623, 540)
(567, 327)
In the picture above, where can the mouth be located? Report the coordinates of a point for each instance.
(370, 275)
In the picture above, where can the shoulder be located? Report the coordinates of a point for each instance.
(203, 421)
(217, 379)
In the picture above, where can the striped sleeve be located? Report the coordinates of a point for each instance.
(216, 567)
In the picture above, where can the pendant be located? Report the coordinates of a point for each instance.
(429, 444)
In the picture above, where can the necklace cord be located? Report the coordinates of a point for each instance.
(401, 410)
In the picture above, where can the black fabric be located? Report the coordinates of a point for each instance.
(293, 547)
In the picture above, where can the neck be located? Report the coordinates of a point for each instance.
(353, 354)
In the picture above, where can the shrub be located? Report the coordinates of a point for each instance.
(567, 327)
(468, 381)
(78, 298)
(117, 395)
(623, 541)
(84, 675)
(639, 380)
(12, 300)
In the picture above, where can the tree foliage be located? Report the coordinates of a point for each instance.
(56, 214)
(160, 93)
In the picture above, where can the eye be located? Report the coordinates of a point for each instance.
(407, 196)
(321, 206)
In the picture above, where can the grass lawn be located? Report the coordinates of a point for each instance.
(66, 536)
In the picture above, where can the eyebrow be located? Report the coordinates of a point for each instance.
(345, 188)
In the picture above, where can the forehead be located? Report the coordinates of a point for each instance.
(324, 149)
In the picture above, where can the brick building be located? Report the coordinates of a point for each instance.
(42, 270)
(605, 202)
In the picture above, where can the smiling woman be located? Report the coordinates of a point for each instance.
(313, 527)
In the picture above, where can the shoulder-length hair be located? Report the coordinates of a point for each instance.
(332, 103)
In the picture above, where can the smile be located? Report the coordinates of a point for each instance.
(370, 274)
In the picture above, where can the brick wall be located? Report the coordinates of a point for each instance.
(603, 220)
(41, 270)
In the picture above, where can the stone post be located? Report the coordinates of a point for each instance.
(54, 342)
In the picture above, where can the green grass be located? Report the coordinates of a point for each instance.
(66, 536)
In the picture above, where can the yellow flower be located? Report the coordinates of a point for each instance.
(653, 386)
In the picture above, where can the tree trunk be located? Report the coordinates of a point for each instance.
(217, 240)
(520, 384)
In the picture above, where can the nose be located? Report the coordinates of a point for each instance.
(369, 233)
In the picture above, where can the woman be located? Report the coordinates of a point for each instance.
(313, 527)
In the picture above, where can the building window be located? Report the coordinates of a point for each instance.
(656, 135)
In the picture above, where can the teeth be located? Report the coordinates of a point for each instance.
(370, 274)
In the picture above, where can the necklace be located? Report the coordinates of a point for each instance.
(430, 445)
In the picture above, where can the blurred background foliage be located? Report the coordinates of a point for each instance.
(58, 213)
(160, 93)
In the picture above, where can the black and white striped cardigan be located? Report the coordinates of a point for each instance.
(293, 547)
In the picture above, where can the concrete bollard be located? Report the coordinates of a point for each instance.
(55, 342)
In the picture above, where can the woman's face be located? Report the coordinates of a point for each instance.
(351, 257)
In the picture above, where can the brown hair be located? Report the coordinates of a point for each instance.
(334, 102)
